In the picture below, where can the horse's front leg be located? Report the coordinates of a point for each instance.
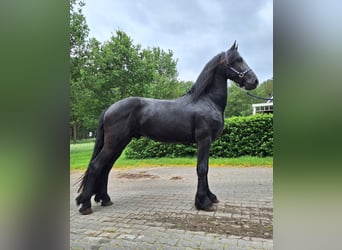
(204, 198)
(211, 196)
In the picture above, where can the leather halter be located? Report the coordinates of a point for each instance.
(241, 74)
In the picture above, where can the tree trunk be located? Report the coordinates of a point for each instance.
(74, 133)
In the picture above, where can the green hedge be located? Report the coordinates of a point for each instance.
(242, 136)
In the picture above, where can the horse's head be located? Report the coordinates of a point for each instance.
(238, 70)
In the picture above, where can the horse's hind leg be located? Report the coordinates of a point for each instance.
(101, 193)
(94, 179)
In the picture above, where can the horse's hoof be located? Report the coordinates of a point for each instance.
(85, 211)
(78, 200)
(206, 204)
(215, 201)
(213, 198)
(106, 203)
(211, 208)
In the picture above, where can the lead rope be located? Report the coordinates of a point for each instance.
(259, 97)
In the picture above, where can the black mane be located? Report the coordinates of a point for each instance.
(205, 78)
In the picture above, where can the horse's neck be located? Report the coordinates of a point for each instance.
(217, 92)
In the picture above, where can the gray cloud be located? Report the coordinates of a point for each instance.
(194, 30)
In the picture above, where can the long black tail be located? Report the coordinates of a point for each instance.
(97, 148)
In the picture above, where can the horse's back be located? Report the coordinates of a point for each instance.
(124, 105)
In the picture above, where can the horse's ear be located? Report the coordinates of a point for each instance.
(234, 46)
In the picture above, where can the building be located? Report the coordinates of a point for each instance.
(266, 107)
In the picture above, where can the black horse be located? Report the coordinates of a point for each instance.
(196, 117)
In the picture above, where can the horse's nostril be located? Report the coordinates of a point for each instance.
(256, 82)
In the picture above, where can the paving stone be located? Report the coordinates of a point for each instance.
(131, 223)
(170, 241)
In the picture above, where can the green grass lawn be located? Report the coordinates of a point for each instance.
(80, 155)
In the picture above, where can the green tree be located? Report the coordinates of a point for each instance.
(79, 32)
(90, 83)
(162, 73)
(265, 89)
(125, 69)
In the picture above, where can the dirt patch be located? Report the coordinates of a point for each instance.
(174, 178)
(244, 222)
(139, 175)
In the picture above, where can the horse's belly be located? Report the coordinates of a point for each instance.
(166, 128)
(168, 133)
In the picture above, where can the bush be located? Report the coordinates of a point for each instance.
(241, 136)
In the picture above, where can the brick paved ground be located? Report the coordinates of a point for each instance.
(154, 209)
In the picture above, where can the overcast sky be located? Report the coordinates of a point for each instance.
(195, 30)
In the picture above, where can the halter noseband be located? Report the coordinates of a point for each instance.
(241, 74)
